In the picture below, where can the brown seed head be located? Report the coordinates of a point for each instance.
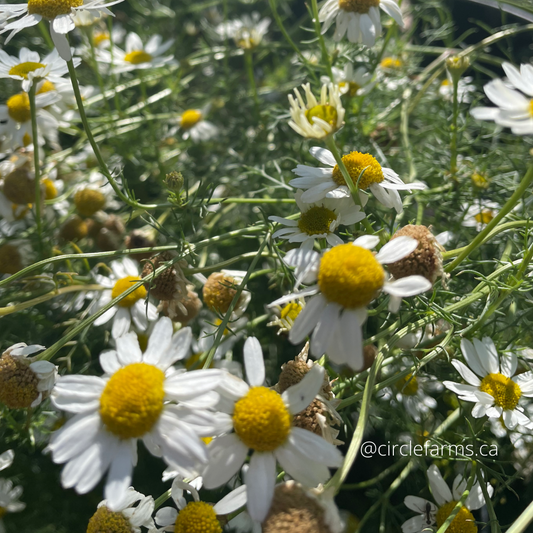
(18, 383)
(74, 228)
(106, 521)
(218, 292)
(19, 186)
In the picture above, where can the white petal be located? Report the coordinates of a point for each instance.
(307, 319)
(299, 396)
(408, 286)
(159, 341)
(394, 251)
(128, 349)
(440, 490)
(316, 447)
(260, 483)
(226, 455)
(466, 373)
(488, 358)
(253, 362)
(119, 477)
(231, 502)
(471, 357)
(188, 385)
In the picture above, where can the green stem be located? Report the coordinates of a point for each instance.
(37, 164)
(89, 34)
(453, 127)
(99, 158)
(522, 522)
(330, 143)
(506, 209)
(249, 62)
(162, 499)
(494, 524)
(46, 35)
(321, 42)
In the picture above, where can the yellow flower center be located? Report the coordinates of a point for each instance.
(479, 180)
(531, 107)
(352, 87)
(445, 83)
(291, 311)
(50, 190)
(463, 522)
(504, 390)
(133, 400)
(51, 9)
(108, 521)
(100, 37)
(206, 440)
(189, 118)
(316, 220)
(18, 107)
(88, 201)
(18, 383)
(350, 276)
(197, 517)
(23, 69)
(261, 419)
(326, 112)
(355, 163)
(46, 87)
(219, 291)
(137, 57)
(484, 217)
(407, 385)
(390, 63)
(122, 285)
(358, 6)
(26, 140)
(19, 187)
(3, 511)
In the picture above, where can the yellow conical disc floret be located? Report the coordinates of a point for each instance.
(133, 400)
(355, 163)
(316, 220)
(408, 385)
(464, 521)
(504, 390)
(89, 201)
(122, 285)
(106, 521)
(46, 87)
(51, 9)
(18, 107)
(23, 69)
(261, 419)
(197, 517)
(189, 118)
(350, 276)
(358, 6)
(219, 291)
(136, 57)
(326, 112)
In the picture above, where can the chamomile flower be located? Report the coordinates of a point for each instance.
(494, 390)
(478, 215)
(140, 396)
(137, 55)
(285, 315)
(247, 32)
(9, 500)
(318, 221)
(195, 127)
(430, 514)
(260, 419)
(28, 67)
(316, 119)
(60, 13)
(359, 19)
(15, 119)
(349, 277)
(132, 308)
(24, 383)
(196, 516)
(351, 82)
(134, 512)
(364, 170)
(465, 88)
(514, 104)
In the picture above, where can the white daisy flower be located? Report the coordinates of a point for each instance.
(29, 67)
(137, 55)
(196, 516)
(140, 396)
(351, 82)
(195, 127)
(59, 13)
(316, 119)
(15, 119)
(514, 110)
(349, 277)
(134, 512)
(465, 88)
(431, 514)
(497, 393)
(247, 32)
(365, 172)
(478, 215)
(318, 221)
(9, 500)
(359, 19)
(132, 308)
(260, 419)
(6, 459)
(24, 383)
